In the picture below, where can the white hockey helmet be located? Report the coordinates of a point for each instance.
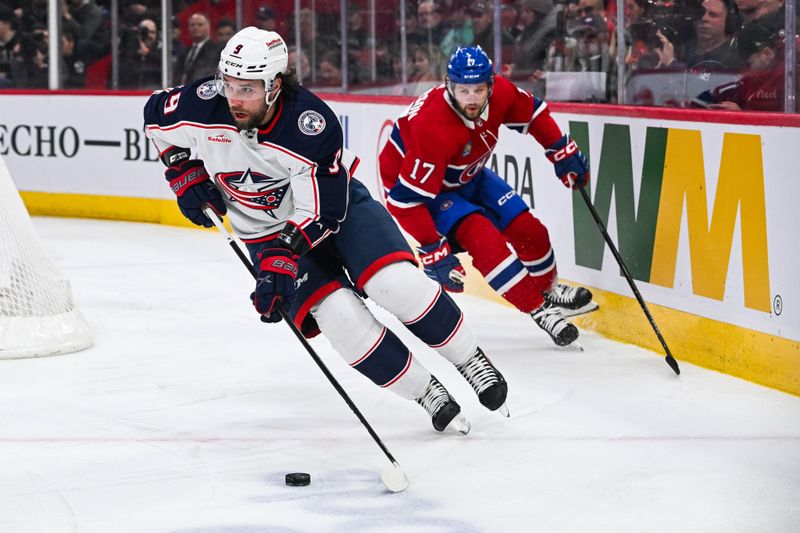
(254, 54)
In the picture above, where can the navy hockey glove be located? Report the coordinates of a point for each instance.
(442, 266)
(571, 165)
(189, 181)
(275, 282)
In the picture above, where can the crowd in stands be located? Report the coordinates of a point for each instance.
(719, 54)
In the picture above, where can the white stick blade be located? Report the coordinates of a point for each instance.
(394, 478)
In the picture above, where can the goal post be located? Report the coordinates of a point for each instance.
(38, 314)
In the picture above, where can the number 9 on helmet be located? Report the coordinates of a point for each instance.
(253, 54)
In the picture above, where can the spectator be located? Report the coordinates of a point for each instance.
(481, 13)
(92, 34)
(592, 50)
(304, 73)
(431, 23)
(330, 72)
(9, 40)
(202, 58)
(713, 49)
(460, 32)
(748, 10)
(73, 68)
(537, 27)
(359, 47)
(226, 28)
(313, 42)
(265, 19)
(34, 15)
(772, 14)
(140, 58)
(178, 49)
(29, 69)
(509, 19)
(762, 88)
(429, 67)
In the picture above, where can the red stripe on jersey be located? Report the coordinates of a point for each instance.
(402, 372)
(425, 312)
(372, 349)
(316, 297)
(455, 330)
(187, 124)
(371, 270)
(274, 119)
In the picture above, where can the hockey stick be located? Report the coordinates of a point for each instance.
(673, 364)
(393, 478)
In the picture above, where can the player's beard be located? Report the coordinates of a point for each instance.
(472, 112)
(254, 118)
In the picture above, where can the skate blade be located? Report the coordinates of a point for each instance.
(588, 308)
(460, 424)
(503, 410)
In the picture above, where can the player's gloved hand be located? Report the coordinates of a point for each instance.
(275, 282)
(442, 266)
(571, 165)
(189, 181)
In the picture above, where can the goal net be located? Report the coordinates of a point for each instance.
(38, 315)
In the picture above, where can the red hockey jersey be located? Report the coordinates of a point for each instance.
(433, 148)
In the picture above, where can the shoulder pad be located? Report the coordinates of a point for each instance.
(196, 102)
(312, 128)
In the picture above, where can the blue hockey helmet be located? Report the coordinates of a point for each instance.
(470, 65)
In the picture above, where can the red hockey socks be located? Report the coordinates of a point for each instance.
(531, 241)
(504, 272)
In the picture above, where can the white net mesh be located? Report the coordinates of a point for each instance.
(37, 313)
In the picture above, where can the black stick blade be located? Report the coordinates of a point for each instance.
(673, 364)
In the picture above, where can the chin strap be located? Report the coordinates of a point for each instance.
(270, 103)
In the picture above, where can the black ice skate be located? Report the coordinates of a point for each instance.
(442, 408)
(550, 318)
(488, 383)
(572, 300)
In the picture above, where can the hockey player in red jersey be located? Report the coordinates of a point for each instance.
(255, 145)
(440, 191)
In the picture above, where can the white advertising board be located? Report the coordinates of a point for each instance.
(721, 242)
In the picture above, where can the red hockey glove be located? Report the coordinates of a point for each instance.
(189, 181)
(442, 266)
(570, 164)
(275, 282)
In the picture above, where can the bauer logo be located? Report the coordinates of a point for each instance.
(699, 200)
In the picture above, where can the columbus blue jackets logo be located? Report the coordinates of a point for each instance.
(311, 122)
(253, 190)
(207, 90)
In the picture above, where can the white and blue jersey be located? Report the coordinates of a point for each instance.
(294, 170)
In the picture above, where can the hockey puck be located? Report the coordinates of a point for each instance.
(298, 479)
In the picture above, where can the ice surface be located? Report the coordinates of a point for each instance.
(188, 412)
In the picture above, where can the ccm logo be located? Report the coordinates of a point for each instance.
(506, 197)
(435, 256)
(565, 152)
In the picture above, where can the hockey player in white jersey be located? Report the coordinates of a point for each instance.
(254, 144)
